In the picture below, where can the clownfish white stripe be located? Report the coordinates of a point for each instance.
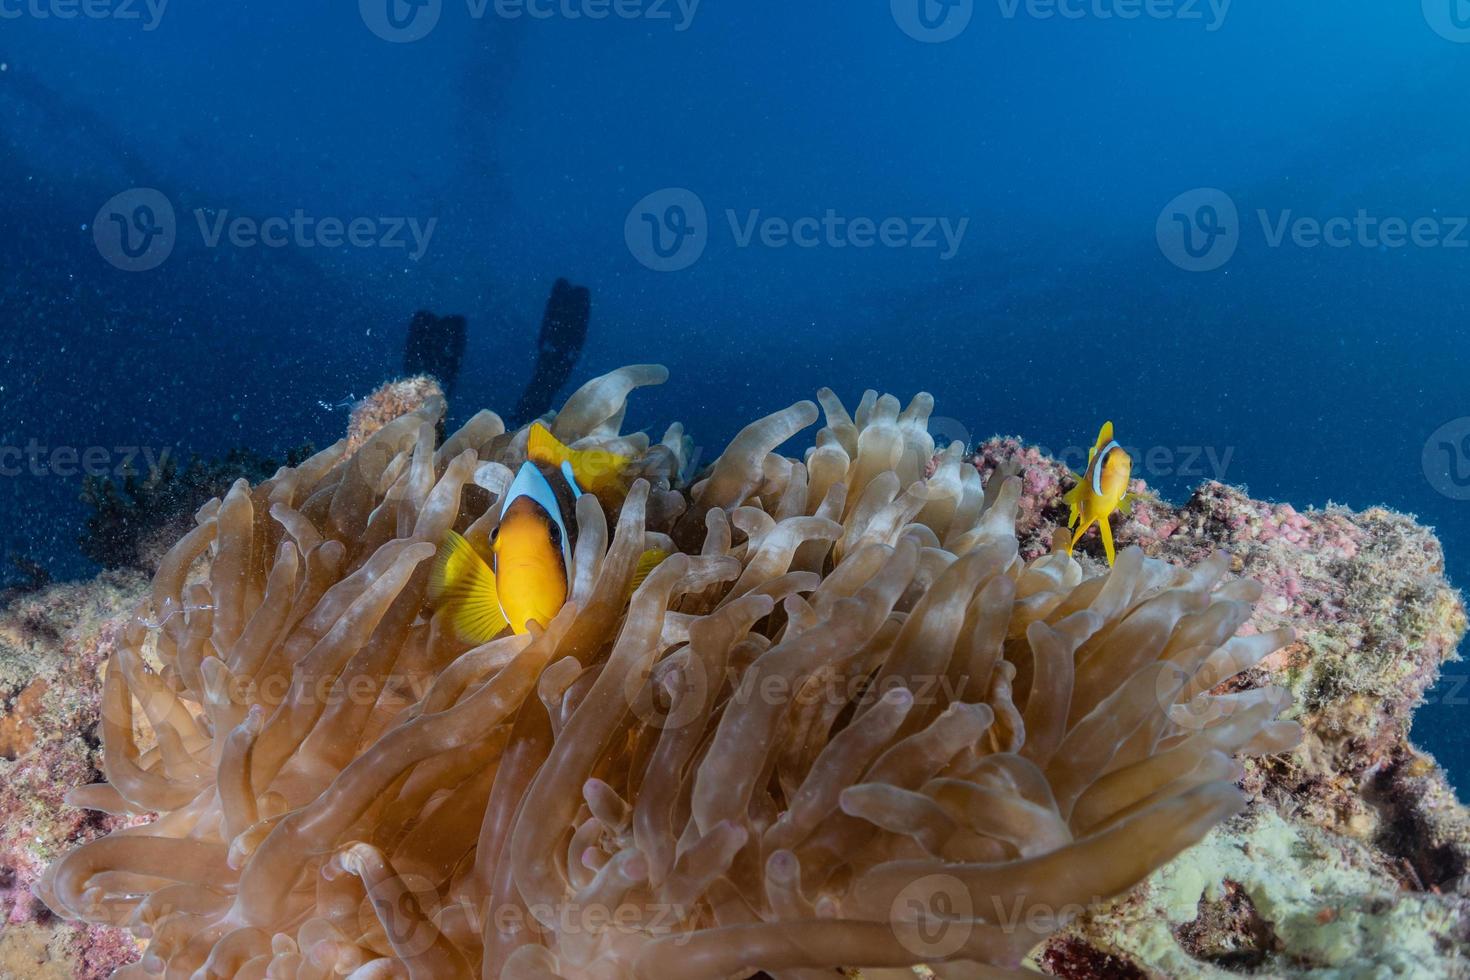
(1097, 466)
(571, 478)
(531, 483)
(527, 577)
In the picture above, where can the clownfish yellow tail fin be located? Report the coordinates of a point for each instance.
(647, 562)
(597, 471)
(464, 584)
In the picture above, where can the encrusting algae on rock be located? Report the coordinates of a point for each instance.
(851, 724)
(1377, 877)
(53, 644)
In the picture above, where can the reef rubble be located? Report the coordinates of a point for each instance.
(1351, 861)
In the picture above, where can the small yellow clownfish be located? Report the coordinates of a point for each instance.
(1102, 489)
(528, 575)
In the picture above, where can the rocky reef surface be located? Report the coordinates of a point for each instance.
(53, 643)
(1352, 861)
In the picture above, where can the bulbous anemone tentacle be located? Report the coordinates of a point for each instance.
(845, 726)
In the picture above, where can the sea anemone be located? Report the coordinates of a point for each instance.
(843, 725)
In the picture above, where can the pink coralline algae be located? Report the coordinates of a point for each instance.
(1375, 622)
(389, 401)
(52, 645)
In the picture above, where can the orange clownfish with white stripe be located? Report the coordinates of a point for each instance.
(1102, 489)
(529, 572)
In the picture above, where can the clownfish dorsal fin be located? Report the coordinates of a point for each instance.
(463, 583)
(1104, 436)
(597, 471)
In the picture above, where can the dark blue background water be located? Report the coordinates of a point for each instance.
(1321, 371)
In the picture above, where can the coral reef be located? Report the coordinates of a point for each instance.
(1375, 621)
(53, 643)
(1276, 895)
(1349, 861)
(392, 400)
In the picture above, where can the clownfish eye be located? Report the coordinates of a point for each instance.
(494, 535)
(555, 536)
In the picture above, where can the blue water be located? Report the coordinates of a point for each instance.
(1311, 373)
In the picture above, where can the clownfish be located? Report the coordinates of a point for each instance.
(1102, 489)
(528, 575)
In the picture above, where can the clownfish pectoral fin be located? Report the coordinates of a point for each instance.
(597, 471)
(647, 562)
(1125, 505)
(1081, 530)
(1107, 536)
(1073, 499)
(464, 584)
